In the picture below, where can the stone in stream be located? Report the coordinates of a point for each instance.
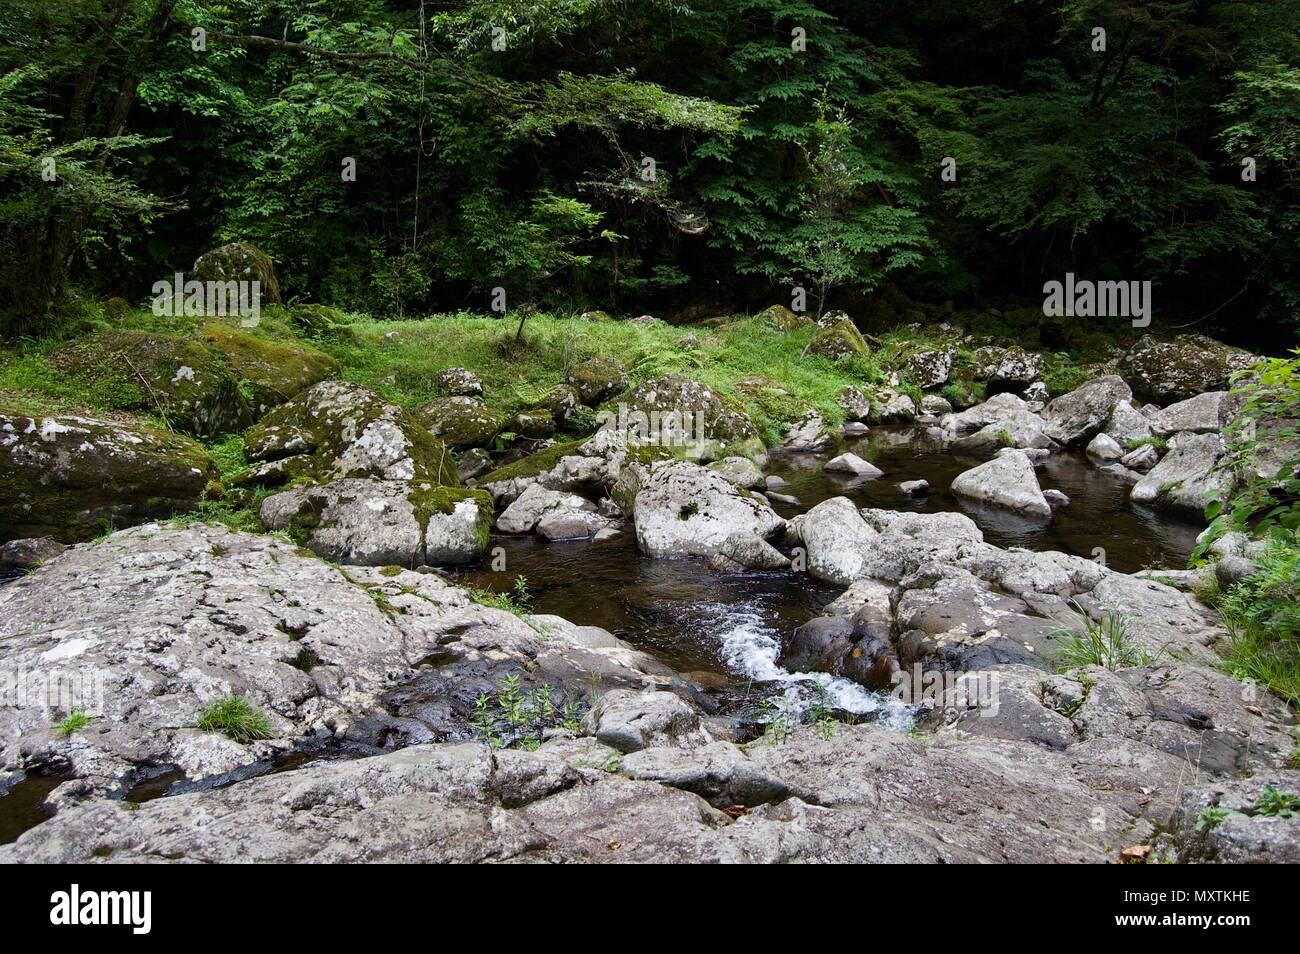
(741, 471)
(1141, 458)
(1075, 417)
(1126, 423)
(850, 463)
(682, 509)
(837, 540)
(1007, 482)
(935, 405)
(69, 477)
(1017, 429)
(1056, 499)
(995, 410)
(808, 435)
(855, 429)
(788, 499)
(523, 515)
(29, 553)
(915, 488)
(1104, 448)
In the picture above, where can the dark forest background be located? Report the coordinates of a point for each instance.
(773, 166)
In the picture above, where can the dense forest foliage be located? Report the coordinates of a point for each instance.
(403, 156)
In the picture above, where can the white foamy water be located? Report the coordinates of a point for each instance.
(751, 647)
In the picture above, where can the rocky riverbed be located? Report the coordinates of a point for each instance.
(854, 646)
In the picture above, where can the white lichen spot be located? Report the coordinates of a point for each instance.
(183, 373)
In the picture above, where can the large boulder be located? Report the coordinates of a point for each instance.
(1001, 407)
(1127, 424)
(1007, 482)
(537, 502)
(273, 371)
(682, 509)
(1208, 413)
(930, 369)
(239, 262)
(1008, 367)
(1186, 477)
(336, 429)
(175, 378)
(841, 340)
(461, 422)
(783, 319)
(837, 541)
(70, 477)
(1183, 367)
(597, 379)
(1017, 429)
(1075, 417)
(384, 522)
(675, 411)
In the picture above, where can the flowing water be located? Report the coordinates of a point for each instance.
(730, 628)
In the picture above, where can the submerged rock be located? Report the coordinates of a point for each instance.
(70, 477)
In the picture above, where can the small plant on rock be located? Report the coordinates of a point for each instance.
(1106, 643)
(236, 718)
(75, 720)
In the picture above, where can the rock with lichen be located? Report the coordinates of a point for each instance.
(70, 477)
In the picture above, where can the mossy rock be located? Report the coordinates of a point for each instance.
(461, 422)
(73, 477)
(176, 378)
(239, 262)
(840, 340)
(275, 371)
(535, 424)
(533, 464)
(336, 429)
(595, 316)
(783, 319)
(433, 503)
(597, 379)
(726, 426)
(1165, 371)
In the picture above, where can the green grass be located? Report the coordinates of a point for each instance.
(515, 378)
(1262, 614)
(236, 718)
(1106, 643)
(518, 601)
(76, 720)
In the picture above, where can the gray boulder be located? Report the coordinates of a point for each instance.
(1008, 482)
(1185, 477)
(1075, 417)
(683, 509)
